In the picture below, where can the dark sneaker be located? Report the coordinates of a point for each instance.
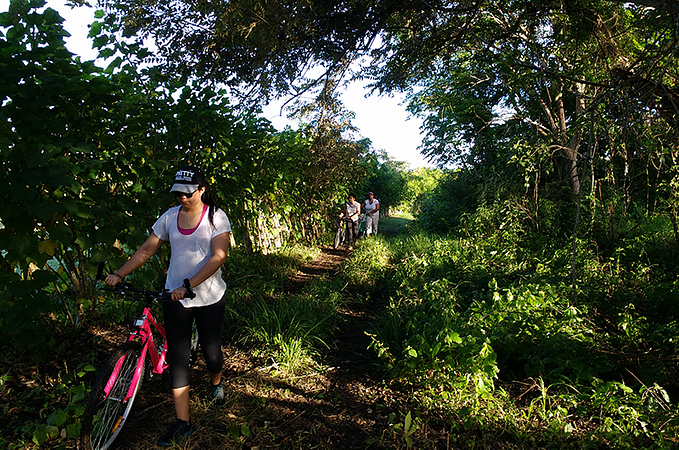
(178, 431)
(217, 393)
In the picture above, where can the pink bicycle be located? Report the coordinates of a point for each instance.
(119, 380)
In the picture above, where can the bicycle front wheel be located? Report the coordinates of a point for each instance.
(105, 414)
(339, 237)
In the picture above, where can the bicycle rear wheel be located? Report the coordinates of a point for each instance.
(104, 414)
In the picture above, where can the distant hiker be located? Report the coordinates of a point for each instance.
(371, 208)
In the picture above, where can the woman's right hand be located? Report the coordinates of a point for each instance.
(178, 293)
(112, 279)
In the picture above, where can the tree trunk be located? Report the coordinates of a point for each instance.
(572, 147)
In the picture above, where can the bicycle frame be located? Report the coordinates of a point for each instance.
(343, 226)
(143, 330)
(341, 233)
(361, 224)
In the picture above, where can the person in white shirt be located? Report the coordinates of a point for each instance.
(199, 233)
(371, 208)
(351, 211)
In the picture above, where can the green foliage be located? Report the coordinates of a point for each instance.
(257, 275)
(369, 265)
(387, 180)
(87, 156)
(50, 179)
(395, 224)
(296, 319)
(441, 209)
(420, 184)
(492, 309)
(539, 334)
(406, 429)
(423, 340)
(65, 422)
(53, 403)
(293, 331)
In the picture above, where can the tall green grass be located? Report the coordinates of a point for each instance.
(291, 330)
(469, 321)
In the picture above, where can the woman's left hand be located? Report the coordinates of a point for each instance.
(178, 294)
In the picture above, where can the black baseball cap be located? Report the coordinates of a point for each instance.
(187, 180)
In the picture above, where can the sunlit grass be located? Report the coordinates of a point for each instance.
(467, 316)
(293, 331)
(369, 262)
(394, 225)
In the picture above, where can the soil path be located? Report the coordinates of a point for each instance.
(326, 263)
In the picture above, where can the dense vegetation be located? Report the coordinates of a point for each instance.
(478, 332)
(532, 304)
(77, 140)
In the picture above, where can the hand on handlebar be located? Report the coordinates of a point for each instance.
(112, 279)
(178, 294)
(183, 292)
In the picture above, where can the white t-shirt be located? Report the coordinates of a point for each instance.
(368, 208)
(190, 252)
(352, 208)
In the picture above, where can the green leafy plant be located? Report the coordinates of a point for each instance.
(406, 428)
(64, 422)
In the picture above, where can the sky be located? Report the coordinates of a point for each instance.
(383, 120)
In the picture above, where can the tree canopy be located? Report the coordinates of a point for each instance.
(553, 67)
(272, 45)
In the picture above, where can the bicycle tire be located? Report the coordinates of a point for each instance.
(104, 415)
(339, 237)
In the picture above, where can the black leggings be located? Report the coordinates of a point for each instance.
(178, 327)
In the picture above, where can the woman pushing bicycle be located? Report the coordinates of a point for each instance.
(199, 233)
(351, 210)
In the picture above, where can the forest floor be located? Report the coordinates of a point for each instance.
(341, 403)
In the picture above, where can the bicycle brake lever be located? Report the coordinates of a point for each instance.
(100, 271)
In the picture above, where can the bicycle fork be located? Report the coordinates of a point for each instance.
(158, 364)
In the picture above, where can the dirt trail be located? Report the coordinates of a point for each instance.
(325, 264)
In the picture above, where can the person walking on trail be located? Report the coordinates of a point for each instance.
(199, 233)
(351, 211)
(371, 208)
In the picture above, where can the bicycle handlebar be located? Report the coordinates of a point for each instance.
(122, 288)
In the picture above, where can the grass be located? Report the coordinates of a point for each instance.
(493, 346)
(396, 224)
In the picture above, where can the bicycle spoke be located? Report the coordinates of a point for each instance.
(112, 413)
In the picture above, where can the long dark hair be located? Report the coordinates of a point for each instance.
(207, 196)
